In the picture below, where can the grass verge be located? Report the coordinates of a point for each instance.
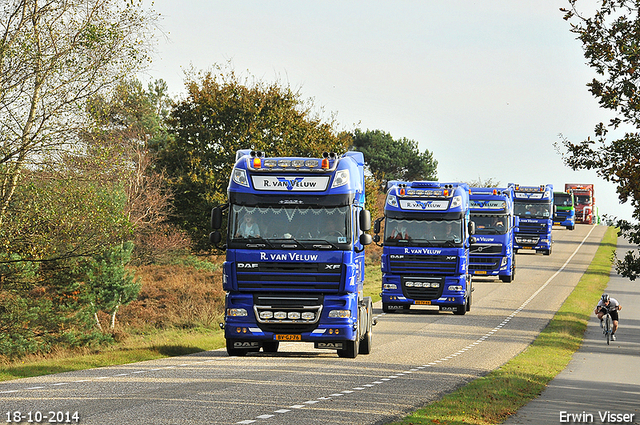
(136, 348)
(494, 397)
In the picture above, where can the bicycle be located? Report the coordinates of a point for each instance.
(606, 324)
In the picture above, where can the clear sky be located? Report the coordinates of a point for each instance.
(486, 86)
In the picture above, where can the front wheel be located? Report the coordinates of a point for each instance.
(270, 347)
(234, 351)
(351, 350)
(365, 343)
(607, 328)
(462, 309)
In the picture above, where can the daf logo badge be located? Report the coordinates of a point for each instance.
(247, 265)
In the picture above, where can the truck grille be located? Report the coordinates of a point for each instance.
(533, 227)
(423, 264)
(309, 277)
(484, 263)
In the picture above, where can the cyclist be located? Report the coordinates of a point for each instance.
(614, 306)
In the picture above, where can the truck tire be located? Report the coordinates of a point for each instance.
(234, 351)
(365, 343)
(351, 351)
(506, 278)
(270, 347)
(461, 309)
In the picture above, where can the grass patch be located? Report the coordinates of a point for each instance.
(372, 280)
(148, 346)
(494, 397)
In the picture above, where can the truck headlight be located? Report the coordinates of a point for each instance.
(341, 178)
(240, 177)
(236, 312)
(504, 261)
(455, 287)
(340, 314)
(266, 315)
(389, 286)
(456, 201)
(391, 200)
(308, 315)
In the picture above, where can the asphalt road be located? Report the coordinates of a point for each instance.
(417, 356)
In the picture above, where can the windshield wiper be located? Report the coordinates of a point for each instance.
(254, 240)
(322, 241)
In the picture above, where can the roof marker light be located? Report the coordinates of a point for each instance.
(325, 160)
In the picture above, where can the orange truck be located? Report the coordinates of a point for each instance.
(585, 202)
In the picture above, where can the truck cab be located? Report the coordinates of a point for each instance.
(295, 239)
(565, 209)
(534, 206)
(425, 257)
(585, 200)
(491, 252)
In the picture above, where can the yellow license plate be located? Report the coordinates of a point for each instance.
(423, 302)
(527, 247)
(288, 337)
(481, 272)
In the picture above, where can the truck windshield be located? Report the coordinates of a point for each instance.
(583, 199)
(562, 200)
(423, 232)
(532, 209)
(490, 224)
(299, 223)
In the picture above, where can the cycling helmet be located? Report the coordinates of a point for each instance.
(605, 298)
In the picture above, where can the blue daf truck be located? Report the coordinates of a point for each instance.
(491, 253)
(295, 239)
(534, 206)
(425, 256)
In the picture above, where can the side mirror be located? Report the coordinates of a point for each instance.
(215, 237)
(216, 218)
(376, 225)
(376, 238)
(365, 239)
(472, 227)
(365, 220)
